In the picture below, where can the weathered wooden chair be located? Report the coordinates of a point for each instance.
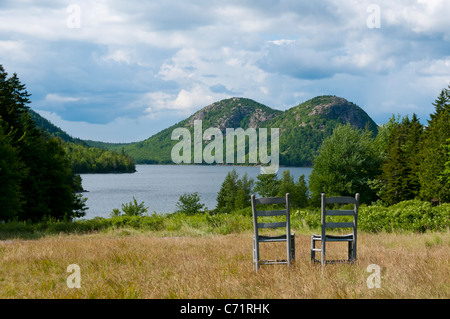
(288, 237)
(324, 237)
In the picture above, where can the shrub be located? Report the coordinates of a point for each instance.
(189, 204)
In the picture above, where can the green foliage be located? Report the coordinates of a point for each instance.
(130, 209)
(189, 204)
(267, 185)
(433, 155)
(347, 161)
(234, 193)
(44, 185)
(406, 216)
(399, 180)
(86, 159)
(411, 215)
(445, 178)
(82, 157)
(11, 175)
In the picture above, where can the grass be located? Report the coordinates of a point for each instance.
(188, 263)
(210, 256)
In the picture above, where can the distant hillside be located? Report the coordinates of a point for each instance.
(85, 158)
(302, 128)
(229, 113)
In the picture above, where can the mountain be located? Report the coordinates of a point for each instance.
(302, 128)
(85, 158)
(305, 126)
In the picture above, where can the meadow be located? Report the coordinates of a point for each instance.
(210, 256)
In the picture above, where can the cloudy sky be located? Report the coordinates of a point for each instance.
(120, 71)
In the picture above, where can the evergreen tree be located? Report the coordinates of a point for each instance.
(297, 191)
(46, 183)
(243, 192)
(11, 175)
(301, 194)
(234, 193)
(400, 170)
(433, 155)
(267, 185)
(190, 204)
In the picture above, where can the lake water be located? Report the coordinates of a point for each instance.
(160, 186)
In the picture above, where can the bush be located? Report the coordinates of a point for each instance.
(411, 215)
(189, 204)
(130, 209)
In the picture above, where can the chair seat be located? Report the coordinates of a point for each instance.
(273, 238)
(347, 237)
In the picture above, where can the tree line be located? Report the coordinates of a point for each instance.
(36, 178)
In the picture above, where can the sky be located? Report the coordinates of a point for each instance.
(121, 71)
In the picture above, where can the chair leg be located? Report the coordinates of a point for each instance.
(313, 252)
(322, 261)
(255, 254)
(350, 250)
(292, 252)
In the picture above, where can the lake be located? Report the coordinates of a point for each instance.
(160, 186)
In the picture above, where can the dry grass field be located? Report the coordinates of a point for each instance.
(131, 264)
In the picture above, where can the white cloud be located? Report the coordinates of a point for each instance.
(51, 97)
(169, 58)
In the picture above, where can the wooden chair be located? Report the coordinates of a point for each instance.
(324, 237)
(288, 237)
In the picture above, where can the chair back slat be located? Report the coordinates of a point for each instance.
(272, 225)
(340, 200)
(340, 225)
(339, 212)
(270, 200)
(271, 212)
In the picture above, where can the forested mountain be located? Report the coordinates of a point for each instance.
(305, 126)
(85, 158)
(302, 128)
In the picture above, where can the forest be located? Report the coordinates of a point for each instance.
(83, 157)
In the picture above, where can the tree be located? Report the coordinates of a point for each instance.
(244, 188)
(130, 209)
(433, 155)
(301, 194)
(190, 204)
(298, 192)
(267, 185)
(234, 193)
(399, 178)
(346, 162)
(445, 178)
(47, 180)
(11, 175)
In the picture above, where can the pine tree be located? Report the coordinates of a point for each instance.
(433, 154)
(46, 184)
(267, 185)
(11, 175)
(234, 193)
(400, 169)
